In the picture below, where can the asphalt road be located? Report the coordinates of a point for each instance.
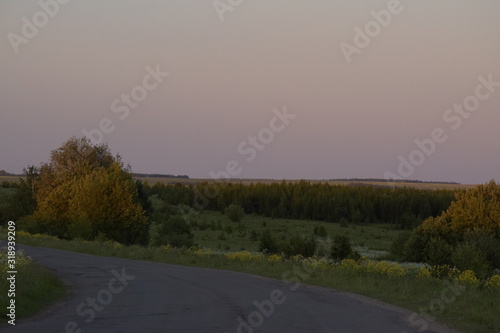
(120, 295)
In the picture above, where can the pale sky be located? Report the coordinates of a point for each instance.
(352, 119)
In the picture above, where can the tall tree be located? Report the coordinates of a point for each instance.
(84, 191)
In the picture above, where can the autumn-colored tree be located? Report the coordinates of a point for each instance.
(466, 235)
(476, 209)
(85, 191)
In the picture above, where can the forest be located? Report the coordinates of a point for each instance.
(403, 207)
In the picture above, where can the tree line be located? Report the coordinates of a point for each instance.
(404, 207)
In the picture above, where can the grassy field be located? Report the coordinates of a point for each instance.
(214, 230)
(10, 179)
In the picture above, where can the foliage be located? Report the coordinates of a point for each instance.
(268, 243)
(473, 309)
(478, 208)
(470, 257)
(36, 286)
(234, 212)
(467, 234)
(320, 231)
(341, 247)
(438, 252)
(174, 231)
(403, 207)
(84, 190)
(23, 202)
(299, 245)
(398, 245)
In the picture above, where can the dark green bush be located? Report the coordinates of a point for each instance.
(398, 245)
(297, 244)
(268, 243)
(341, 247)
(415, 247)
(174, 231)
(234, 212)
(320, 231)
(438, 252)
(467, 256)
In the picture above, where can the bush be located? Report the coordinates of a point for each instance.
(414, 249)
(174, 231)
(234, 212)
(487, 243)
(320, 231)
(341, 247)
(297, 244)
(470, 257)
(267, 243)
(398, 245)
(438, 252)
(30, 224)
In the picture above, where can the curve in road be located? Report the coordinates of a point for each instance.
(121, 295)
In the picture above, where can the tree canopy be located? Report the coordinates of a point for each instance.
(84, 192)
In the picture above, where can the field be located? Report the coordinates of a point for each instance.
(418, 185)
(214, 230)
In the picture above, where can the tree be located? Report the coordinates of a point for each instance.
(475, 209)
(469, 229)
(23, 202)
(85, 191)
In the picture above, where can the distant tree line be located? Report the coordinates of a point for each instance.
(412, 181)
(158, 175)
(404, 207)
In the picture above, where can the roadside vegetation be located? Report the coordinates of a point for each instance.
(36, 287)
(447, 295)
(405, 246)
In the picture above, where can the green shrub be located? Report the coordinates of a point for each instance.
(438, 252)
(320, 231)
(487, 243)
(234, 212)
(174, 231)
(398, 245)
(341, 247)
(414, 249)
(467, 256)
(297, 244)
(268, 243)
(30, 224)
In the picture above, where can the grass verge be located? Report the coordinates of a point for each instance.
(470, 306)
(35, 287)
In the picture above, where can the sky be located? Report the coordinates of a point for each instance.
(281, 89)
